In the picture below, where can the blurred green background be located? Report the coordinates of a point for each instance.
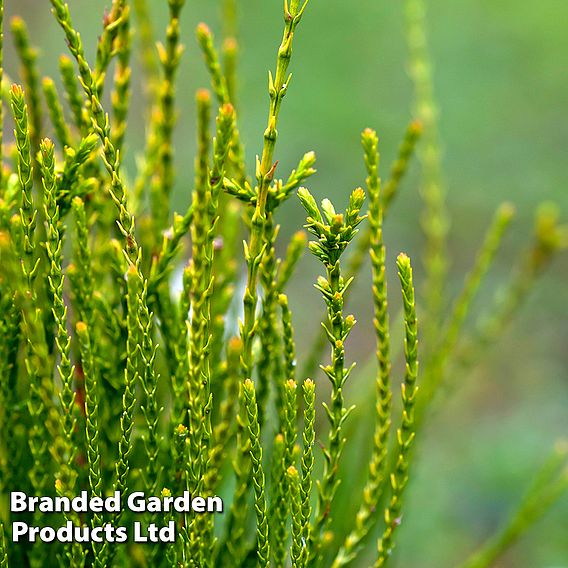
(502, 86)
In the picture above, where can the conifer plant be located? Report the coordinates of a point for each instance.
(110, 381)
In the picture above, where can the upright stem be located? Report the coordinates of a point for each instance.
(338, 330)
(163, 180)
(67, 474)
(263, 550)
(334, 232)
(101, 126)
(278, 85)
(28, 57)
(148, 60)
(407, 430)
(435, 222)
(360, 253)
(437, 365)
(121, 94)
(92, 433)
(365, 518)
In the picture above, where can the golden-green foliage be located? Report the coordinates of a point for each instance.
(111, 381)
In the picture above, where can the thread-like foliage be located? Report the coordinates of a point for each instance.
(141, 350)
(66, 371)
(334, 232)
(92, 431)
(365, 518)
(406, 432)
(263, 543)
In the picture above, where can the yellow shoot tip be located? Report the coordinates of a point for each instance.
(46, 145)
(203, 96)
(359, 194)
(337, 220)
(16, 90)
(403, 259)
(203, 30)
(17, 22)
(181, 430)
(416, 127)
(292, 471)
(227, 110)
(507, 210)
(230, 45)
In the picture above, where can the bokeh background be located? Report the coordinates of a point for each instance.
(502, 84)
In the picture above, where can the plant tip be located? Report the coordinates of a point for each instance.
(203, 30)
(203, 96)
(416, 127)
(230, 45)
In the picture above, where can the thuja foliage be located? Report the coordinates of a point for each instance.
(111, 381)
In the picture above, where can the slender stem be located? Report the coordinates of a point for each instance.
(435, 220)
(407, 430)
(147, 42)
(360, 252)
(308, 439)
(550, 485)
(28, 57)
(28, 213)
(548, 240)
(206, 199)
(92, 433)
(365, 518)
(120, 96)
(334, 232)
(278, 86)
(263, 550)
(435, 369)
(67, 474)
(101, 126)
(297, 554)
(56, 112)
(75, 101)
(163, 178)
